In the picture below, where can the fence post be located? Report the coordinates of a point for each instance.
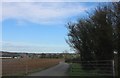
(26, 65)
(116, 64)
(113, 64)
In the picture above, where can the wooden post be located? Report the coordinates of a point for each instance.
(26, 65)
(116, 64)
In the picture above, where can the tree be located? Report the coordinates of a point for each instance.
(116, 24)
(80, 38)
(104, 31)
(97, 37)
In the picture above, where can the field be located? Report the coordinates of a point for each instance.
(24, 66)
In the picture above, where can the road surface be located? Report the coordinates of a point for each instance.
(58, 70)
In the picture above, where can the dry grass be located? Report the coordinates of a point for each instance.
(23, 66)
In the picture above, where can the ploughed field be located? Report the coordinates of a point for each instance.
(24, 66)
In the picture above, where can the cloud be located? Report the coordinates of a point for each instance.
(40, 12)
(0, 11)
(60, 0)
(24, 47)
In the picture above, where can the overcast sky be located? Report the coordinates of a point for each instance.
(39, 26)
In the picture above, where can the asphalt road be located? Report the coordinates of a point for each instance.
(58, 70)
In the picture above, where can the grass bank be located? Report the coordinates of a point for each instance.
(76, 70)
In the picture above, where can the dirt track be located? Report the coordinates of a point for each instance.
(58, 70)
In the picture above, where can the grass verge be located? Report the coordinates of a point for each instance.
(76, 70)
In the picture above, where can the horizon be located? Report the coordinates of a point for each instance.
(37, 52)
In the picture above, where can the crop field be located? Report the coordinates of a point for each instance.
(13, 67)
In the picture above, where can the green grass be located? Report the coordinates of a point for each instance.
(76, 70)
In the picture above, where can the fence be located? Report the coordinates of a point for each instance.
(93, 68)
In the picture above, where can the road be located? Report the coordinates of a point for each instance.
(58, 70)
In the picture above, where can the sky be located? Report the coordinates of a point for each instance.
(40, 27)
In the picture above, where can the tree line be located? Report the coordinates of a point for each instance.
(97, 37)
